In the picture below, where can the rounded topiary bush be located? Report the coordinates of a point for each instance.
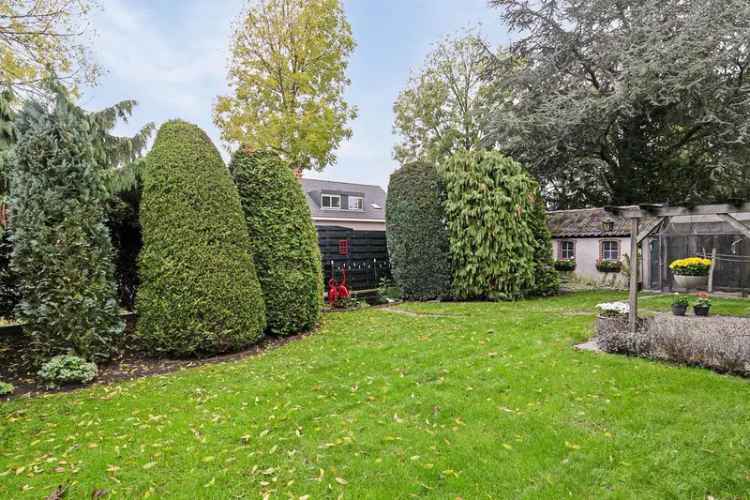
(498, 245)
(417, 234)
(199, 292)
(285, 243)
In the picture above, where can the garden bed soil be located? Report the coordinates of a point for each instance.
(126, 367)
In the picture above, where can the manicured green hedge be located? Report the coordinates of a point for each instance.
(417, 234)
(199, 291)
(496, 240)
(285, 243)
(62, 253)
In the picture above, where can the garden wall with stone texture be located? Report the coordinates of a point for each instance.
(721, 343)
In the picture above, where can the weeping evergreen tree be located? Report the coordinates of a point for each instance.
(63, 253)
(285, 243)
(498, 248)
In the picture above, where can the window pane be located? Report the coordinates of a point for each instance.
(610, 250)
(356, 203)
(567, 250)
(330, 201)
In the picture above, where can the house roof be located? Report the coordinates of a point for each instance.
(374, 199)
(586, 223)
(589, 223)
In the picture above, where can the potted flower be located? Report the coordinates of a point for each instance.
(608, 266)
(679, 304)
(702, 305)
(565, 265)
(691, 273)
(613, 309)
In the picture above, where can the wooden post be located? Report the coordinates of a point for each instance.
(633, 299)
(711, 271)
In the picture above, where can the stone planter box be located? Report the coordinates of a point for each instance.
(691, 282)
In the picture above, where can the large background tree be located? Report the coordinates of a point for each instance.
(40, 39)
(627, 101)
(442, 110)
(287, 78)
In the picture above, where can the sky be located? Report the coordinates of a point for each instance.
(172, 57)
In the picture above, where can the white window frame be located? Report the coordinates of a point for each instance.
(604, 250)
(361, 203)
(572, 249)
(330, 197)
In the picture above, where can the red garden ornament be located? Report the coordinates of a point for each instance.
(337, 290)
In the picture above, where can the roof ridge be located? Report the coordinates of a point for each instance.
(342, 182)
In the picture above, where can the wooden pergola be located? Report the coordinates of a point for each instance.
(663, 213)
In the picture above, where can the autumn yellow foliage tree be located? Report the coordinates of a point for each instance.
(287, 78)
(40, 39)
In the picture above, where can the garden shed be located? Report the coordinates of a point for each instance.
(701, 235)
(668, 224)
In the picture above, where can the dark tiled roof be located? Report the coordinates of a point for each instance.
(586, 223)
(373, 195)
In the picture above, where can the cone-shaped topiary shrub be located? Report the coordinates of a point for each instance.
(199, 292)
(62, 253)
(492, 212)
(416, 232)
(285, 243)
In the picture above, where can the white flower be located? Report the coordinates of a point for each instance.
(614, 308)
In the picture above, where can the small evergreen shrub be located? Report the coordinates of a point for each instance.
(497, 245)
(285, 243)
(62, 252)
(199, 292)
(6, 389)
(417, 234)
(67, 369)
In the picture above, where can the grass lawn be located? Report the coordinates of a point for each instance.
(477, 400)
